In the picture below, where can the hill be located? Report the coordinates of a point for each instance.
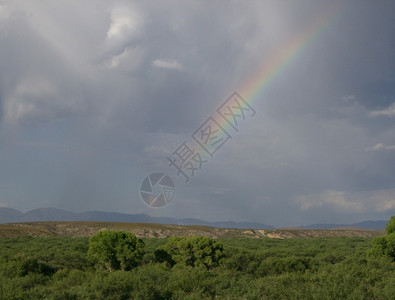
(9, 214)
(86, 229)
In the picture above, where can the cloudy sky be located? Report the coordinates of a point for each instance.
(94, 95)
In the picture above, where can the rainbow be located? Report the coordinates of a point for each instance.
(253, 88)
(272, 68)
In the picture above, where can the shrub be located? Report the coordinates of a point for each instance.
(191, 251)
(390, 228)
(385, 245)
(116, 250)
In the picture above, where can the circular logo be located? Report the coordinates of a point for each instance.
(157, 189)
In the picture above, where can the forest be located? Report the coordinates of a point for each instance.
(118, 265)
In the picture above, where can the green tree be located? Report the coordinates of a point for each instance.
(391, 245)
(379, 245)
(390, 228)
(163, 256)
(116, 250)
(192, 251)
(385, 245)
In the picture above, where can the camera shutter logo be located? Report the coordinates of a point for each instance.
(157, 190)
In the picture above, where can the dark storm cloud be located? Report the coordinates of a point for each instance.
(94, 95)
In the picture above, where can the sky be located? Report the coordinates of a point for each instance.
(95, 95)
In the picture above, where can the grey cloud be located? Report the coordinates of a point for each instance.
(100, 92)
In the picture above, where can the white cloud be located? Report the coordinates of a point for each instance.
(388, 112)
(338, 200)
(120, 49)
(380, 146)
(124, 22)
(344, 202)
(376, 147)
(25, 99)
(171, 64)
(128, 60)
(38, 99)
(385, 205)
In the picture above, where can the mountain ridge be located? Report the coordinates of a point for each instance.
(11, 215)
(54, 214)
(369, 224)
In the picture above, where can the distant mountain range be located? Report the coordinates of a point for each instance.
(10, 215)
(359, 225)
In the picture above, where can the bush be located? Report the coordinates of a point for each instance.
(33, 266)
(191, 251)
(116, 250)
(385, 245)
(390, 228)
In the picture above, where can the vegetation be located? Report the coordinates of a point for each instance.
(385, 245)
(195, 251)
(117, 265)
(115, 250)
